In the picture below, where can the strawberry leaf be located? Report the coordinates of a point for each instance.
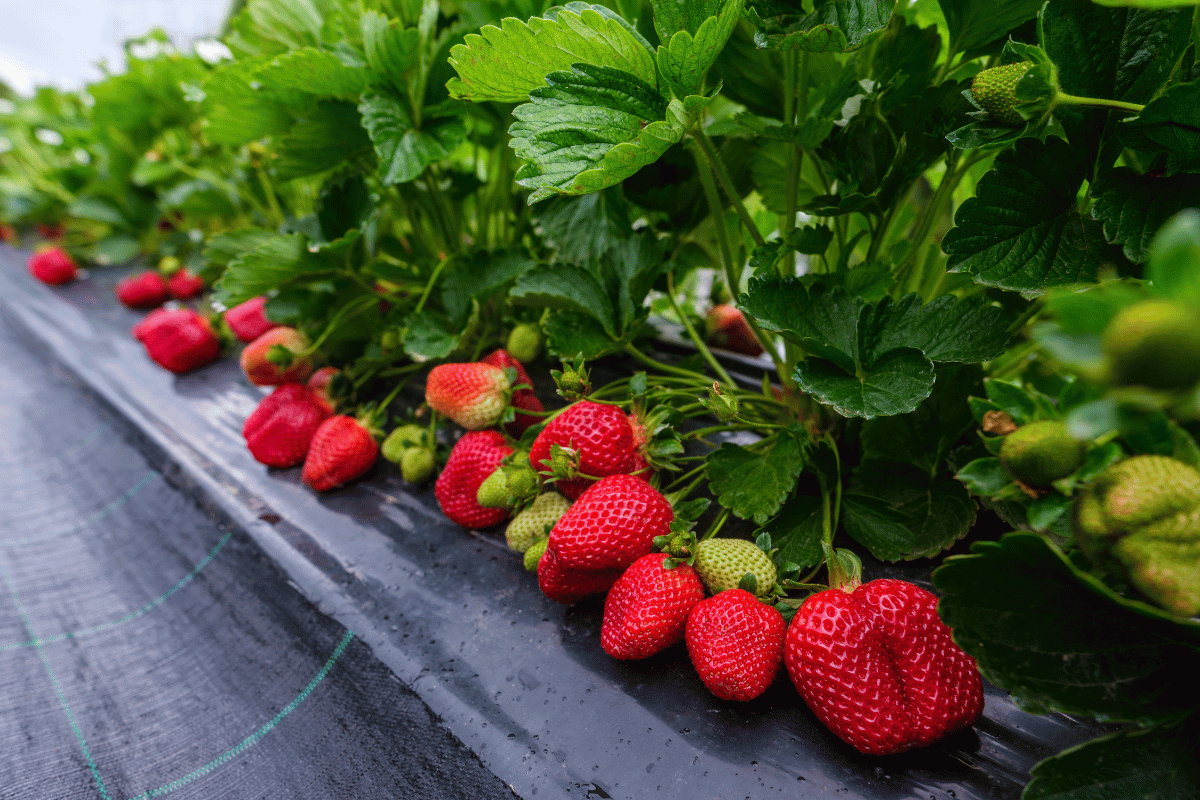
(976, 23)
(429, 335)
(1133, 207)
(593, 127)
(837, 26)
(754, 483)
(1058, 639)
(405, 151)
(569, 288)
(1155, 764)
(685, 56)
(1169, 124)
(329, 136)
(273, 262)
(505, 64)
(312, 71)
(582, 229)
(1022, 231)
(796, 531)
(900, 513)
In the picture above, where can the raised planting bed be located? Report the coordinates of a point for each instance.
(519, 679)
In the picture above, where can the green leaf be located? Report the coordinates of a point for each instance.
(1022, 231)
(238, 110)
(330, 136)
(1170, 124)
(925, 437)
(974, 23)
(272, 263)
(429, 335)
(403, 151)
(1113, 53)
(594, 127)
(754, 483)
(893, 384)
(505, 64)
(673, 16)
(345, 203)
(1174, 258)
(985, 477)
(1133, 207)
(480, 278)
(566, 287)
(1155, 764)
(391, 49)
(222, 248)
(312, 71)
(770, 170)
(1148, 3)
(582, 229)
(684, 58)
(570, 335)
(837, 26)
(197, 197)
(874, 359)
(796, 531)
(1059, 640)
(899, 512)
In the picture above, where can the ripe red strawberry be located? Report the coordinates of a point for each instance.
(727, 328)
(179, 340)
(52, 266)
(474, 395)
(606, 438)
(260, 370)
(568, 586)
(879, 668)
(475, 456)
(279, 431)
(247, 320)
(522, 399)
(319, 381)
(612, 524)
(646, 610)
(144, 290)
(183, 285)
(736, 644)
(342, 449)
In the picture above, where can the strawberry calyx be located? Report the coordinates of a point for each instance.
(845, 568)
(514, 484)
(572, 381)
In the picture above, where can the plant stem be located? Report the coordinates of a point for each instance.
(718, 167)
(661, 367)
(1072, 100)
(437, 272)
(691, 331)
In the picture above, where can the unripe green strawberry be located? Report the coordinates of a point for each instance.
(403, 438)
(995, 90)
(534, 554)
(1141, 518)
(509, 485)
(722, 563)
(534, 523)
(1041, 452)
(524, 342)
(416, 465)
(1154, 343)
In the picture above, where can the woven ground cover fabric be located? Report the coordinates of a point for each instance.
(521, 681)
(149, 649)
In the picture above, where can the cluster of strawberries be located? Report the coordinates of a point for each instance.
(873, 661)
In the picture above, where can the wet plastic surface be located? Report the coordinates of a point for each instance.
(520, 680)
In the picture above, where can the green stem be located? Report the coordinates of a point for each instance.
(343, 314)
(1072, 100)
(718, 167)
(437, 272)
(691, 331)
(660, 366)
(790, 68)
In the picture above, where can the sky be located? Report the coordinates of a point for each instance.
(60, 42)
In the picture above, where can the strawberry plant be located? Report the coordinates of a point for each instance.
(845, 271)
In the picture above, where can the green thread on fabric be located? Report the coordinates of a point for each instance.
(62, 698)
(94, 517)
(254, 737)
(133, 614)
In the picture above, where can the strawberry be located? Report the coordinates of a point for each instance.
(1041, 452)
(606, 439)
(247, 320)
(877, 666)
(52, 266)
(727, 328)
(534, 555)
(736, 644)
(416, 464)
(279, 431)
(474, 395)
(342, 449)
(278, 356)
(722, 563)
(647, 608)
(402, 439)
(184, 285)
(522, 399)
(612, 524)
(535, 522)
(179, 340)
(568, 586)
(319, 383)
(144, 290)
(475, 456)
(524, 341)
(995, 90)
